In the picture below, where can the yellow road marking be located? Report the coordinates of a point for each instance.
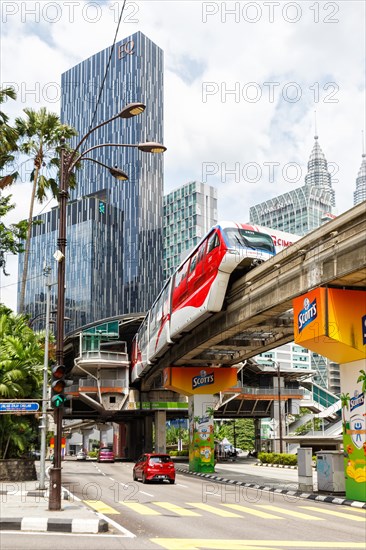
(140, 508)
(248, 510)
(359, 510)
(207, 544)
(176, 509)
(101, 507)
(213, 510)
(292, 513)
(331, 513)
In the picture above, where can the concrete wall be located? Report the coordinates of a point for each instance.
(17, 470)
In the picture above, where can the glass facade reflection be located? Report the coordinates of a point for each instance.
(303, 209)
(189, 212)
(114, 258)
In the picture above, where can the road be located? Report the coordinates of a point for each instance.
(195, 514)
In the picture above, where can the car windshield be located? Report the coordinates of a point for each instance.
(160, 459)
(105, 450)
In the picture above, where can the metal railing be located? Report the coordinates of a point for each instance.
(92, 383)
(104, 356)
(271, 391)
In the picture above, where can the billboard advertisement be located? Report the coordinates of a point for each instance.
(353, 385)
(332, 322)
(199, 380)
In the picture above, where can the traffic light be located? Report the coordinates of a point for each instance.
(58, 384)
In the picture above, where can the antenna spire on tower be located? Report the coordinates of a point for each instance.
(315, 126)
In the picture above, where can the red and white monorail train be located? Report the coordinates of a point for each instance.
(198, 287)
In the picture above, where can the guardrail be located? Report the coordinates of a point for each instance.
(271, 391)
(105, 356)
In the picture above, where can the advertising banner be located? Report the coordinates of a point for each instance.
(353, 384)
(198, 380)
(201, 433)
(332, 322)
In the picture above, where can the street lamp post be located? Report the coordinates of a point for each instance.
(42, 464)
(68, 162)
(277, 367)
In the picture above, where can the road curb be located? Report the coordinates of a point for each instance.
(287, 466)
(296, 494)
(62, 525)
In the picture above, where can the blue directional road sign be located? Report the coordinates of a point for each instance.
(20, 407)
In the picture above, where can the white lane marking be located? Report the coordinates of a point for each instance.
(148, 494)
(181, 485)
(126, 532)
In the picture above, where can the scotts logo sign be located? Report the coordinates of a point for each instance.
(203, 379)
(356, 401)
(307, 314)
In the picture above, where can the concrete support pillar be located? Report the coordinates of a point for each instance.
(103, 436)
(85, 434)
(353, 402)
(119, 439)
(201, 433)
(135, 439)
(148, 435)
(160, 432)
(257, 435)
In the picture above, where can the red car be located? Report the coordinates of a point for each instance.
(105, 455)
(154, 466)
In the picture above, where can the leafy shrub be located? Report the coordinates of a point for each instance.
(278, 458)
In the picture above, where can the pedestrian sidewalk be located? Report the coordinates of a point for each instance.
(24, 507)
(248, 473)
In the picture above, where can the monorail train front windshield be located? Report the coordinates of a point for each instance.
(246, 238)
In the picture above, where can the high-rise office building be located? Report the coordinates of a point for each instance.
(300, 211)
(360, 194)
(114, 229)
(305, 208)
(189, 212)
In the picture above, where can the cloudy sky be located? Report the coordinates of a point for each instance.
(242, 83)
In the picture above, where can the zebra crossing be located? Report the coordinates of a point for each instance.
(226, 510)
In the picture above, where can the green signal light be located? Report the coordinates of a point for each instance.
(102, 207)
(58, 400)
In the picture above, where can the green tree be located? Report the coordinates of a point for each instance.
(362, 378)
(345, 398)
(21, 377)
(8, 139)
(10, 236)
(244, 432)
(40, 133)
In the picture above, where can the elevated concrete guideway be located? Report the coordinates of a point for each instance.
(257, 315)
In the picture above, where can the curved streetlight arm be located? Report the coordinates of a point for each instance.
(116, 172)
(129, 111)
(72, 164)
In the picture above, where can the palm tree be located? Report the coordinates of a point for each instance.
(362, 378)
(40, 134)
(344, 397)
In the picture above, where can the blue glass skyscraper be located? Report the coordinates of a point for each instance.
(114, 228)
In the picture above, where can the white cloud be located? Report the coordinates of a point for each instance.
(313, 52)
